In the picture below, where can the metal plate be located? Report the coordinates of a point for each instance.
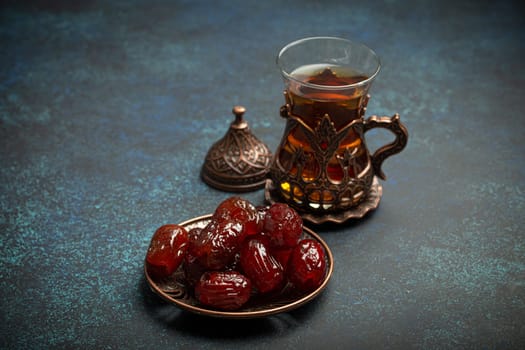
(176, 291)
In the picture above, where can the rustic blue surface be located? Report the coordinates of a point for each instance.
(108, 108)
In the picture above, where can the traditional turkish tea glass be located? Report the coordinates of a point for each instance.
(322, 164)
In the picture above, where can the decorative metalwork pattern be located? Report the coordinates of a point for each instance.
(370, 203)
(320, 193)
(239, 161)
(303, 180)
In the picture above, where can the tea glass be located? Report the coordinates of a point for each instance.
(322, 163)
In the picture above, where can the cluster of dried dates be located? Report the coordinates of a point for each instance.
(243, 251)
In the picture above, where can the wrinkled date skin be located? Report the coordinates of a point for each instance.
(307, 265)
(259, 264)
(283, 225)
(166, 250)
(239, 210)
(223, 290)
(217, 244)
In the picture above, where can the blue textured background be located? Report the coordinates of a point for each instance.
(107, 110)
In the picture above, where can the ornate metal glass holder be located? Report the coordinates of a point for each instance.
(322, 199)
(322, 166)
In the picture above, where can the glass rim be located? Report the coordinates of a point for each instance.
(328, 87)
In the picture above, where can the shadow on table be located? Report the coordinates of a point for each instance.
(183, 321)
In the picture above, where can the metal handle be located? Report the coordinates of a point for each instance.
(397, 128)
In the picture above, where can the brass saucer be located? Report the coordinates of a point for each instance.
(175, 290)
(371, 202)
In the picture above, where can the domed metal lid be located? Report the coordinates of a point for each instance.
(239, 162)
